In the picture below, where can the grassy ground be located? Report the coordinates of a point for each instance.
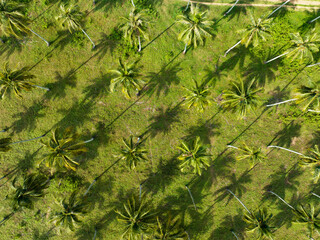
(79, 97)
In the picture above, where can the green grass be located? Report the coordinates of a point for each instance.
(79, 97)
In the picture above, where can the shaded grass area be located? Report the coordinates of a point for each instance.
(79, 96)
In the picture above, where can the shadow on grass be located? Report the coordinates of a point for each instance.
(315, 139)
(105, 44)
(212, 76)
(107, 4)
(160, 82)
(230, 223)
(9, 45)
(239, 11)
(240, 53)
(36, 235)
(98, 88)
(286, 135)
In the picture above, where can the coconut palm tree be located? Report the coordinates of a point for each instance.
(62, 150)
(133, 152)
(258, 221)
(302, 47)
(198, 96)
(128, 77)
(12, 20)
(312, 159)
(254, 33)
(194, 156)
(196, 27)
(73, 210)
(254, 155)
(170, 229)
(241, 97)
(137, 219)
(70, 17)
(135, 28)
(16, 81)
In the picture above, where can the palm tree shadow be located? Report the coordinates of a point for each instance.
(230, 223)
(99, 88)
(59, 87)
(163, 177)
(315, 139)
(277, 95)
(212, 76)
(107, 4)
(63, 39)
(163, 121)
(307, 26)
(236, 185)
(107, 43)
(201, 223)
(238, 11)
(239, 56)
(161, 81)
(28, 118)
(9, 45)
(42, 236)
(286, 135)
(205, 130)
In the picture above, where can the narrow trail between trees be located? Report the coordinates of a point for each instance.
(294, 4)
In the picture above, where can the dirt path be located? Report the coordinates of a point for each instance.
(295, 6)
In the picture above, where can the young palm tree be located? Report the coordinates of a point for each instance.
(70, 18)
(170, 229)
(258, 221)
(198, 96)
(197, 28)
(135, 28)
(137, 219)
(258, 30)
(63, 148)
(312, 159)
(254, 155)
(133, 152)
(128, 77)
(302, 47)
(194, 155)
(241, 98)
(12, 20)
(15, 81)
(73, 209)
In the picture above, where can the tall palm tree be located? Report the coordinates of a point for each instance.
(254, 154)
(258, 221)
(128, 77)
(196, 27)
(137, 219)
(135, 28)
(12, 20)
(258, 30)
(198, 96)
(302, 47)
(70, 17)
(63, 148)
(73, 210)
(242, 97)
(133, 152)
(170, 229)
(194, 156)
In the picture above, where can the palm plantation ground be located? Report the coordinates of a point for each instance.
(151, 134)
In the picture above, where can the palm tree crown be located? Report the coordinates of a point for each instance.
(63, 148)
(12, 20)
(194, 155)
(15, 80)
(170, 229)
(128, 77)
(133, 152)
(241, 98)
(308, 216)
(254, 154)
(70, 17)
(196, 27)
(312, 159)
(309, 96)
(198, 96)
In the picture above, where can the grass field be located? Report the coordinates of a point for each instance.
(80, 97)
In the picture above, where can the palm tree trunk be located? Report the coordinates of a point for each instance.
(278, 8)
(95, 234)
(27, 140)
(240, 201)
(274, 104)
(7, 217)
(187, 5)
(314, 19)
(232, 48)
(48, 89)
(88, 37)
(133, 4)
(230, 146)
(235, 235)
(96, 179)
(185, 48)
(140, 191)
(48, 44)
(276, 57)
(286, 149)
(282, 200)
(90, 140)
(195, 207)
(313, 64)
(310, 110)
(315, 195)
(231, 8)
(139, 39)
(187, 235)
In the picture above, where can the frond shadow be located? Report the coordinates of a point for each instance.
(285, 136)
(99, 87)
